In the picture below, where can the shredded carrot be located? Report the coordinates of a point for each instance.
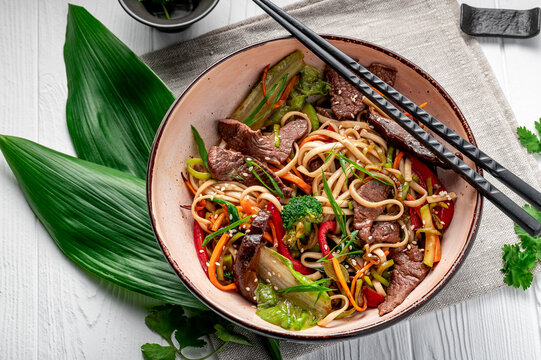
(201, 205)
(274, 235)
(314, 137)
(437, 253)
(219, 221)
(397, 159)
(295, 180)
(294, 168)
(268, 237)
(212, 264)
(422, 106)
(376, 90)
(247, 207)
(287, 90)
(342, 281)
(189, 185)
(298, 181)
(354, 281)
(263, 85)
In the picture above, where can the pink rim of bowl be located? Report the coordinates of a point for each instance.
(173, 145)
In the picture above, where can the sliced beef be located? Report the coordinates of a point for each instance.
(240, 137)
(384, 231)
(315, 164)
(324, 111)
(397, 136)
(363, 217)
(229, 165)
(346, 100)
(247, 260)
(408, 272)
(384, 72)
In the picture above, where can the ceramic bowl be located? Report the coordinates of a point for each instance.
(137, 10)
(214, 95)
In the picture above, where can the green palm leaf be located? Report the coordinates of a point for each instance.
(98, 218)
(115, 102)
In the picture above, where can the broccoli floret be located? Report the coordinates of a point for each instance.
(298, 215)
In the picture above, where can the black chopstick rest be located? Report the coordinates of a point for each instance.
(500, 22)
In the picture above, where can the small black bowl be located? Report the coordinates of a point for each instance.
(139, 12)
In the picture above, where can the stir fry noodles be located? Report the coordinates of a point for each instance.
(315, 206)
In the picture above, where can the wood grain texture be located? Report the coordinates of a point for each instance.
(53, 310)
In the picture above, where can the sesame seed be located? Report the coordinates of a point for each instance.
(370, 237)
(339, 91)
(207, 263)
(336, 103)
(409, 247)
(255, 307)
(414, 242)
(249, 159)
(250, 168)
(275, 287)
(217, 263)
(247, 288)
(267, 158)
(245, 174)
(201, 251)
(255, 280)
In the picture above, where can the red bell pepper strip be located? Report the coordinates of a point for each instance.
(423, 173)
(415, 220)
(373, 299)
(198, 237)
(282, 248)
(322, 238)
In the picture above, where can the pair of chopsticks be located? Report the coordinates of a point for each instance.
(355, 73)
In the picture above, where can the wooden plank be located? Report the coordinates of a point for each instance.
(79, 316)
(19, 255)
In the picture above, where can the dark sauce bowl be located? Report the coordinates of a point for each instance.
(180, 19)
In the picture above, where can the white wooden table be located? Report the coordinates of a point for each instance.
(50, 309)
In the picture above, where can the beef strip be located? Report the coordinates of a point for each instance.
(384, 72)
(229, 165)
(247, 259)
(346, 100)
(240, 137)
(315, 164)
(363, 217)
(324, 111)
(408, 272)
(400, 138)
(384, 231)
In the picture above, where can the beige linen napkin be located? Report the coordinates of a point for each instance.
(427, 33)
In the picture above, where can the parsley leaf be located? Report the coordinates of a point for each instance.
(226, 334)
(158, 352)
(530, 243)
(194, 328)
(538, 126)
(165, 319)
(517, 267)
(521, 258)
(528, 139)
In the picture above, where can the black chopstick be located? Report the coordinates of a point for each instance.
(526, 191)
(343, 67)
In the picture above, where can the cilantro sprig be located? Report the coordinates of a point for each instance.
(529, 139)
(170, 320)
(520, 259)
